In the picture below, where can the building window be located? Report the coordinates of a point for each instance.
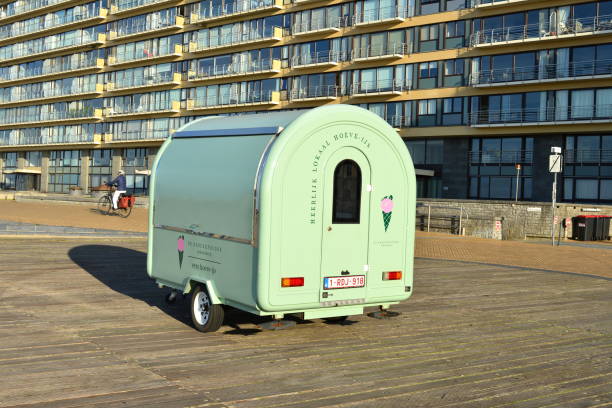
(7, 182)
(428, 70)
(33, 159)
(100, 167)
(64, 170)
(426, 113)
(135, 165)
(347, 193)
(493, 168)
(587, 173)
(428, 37)
(429, 155)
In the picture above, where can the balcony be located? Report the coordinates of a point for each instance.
(318, 27)
(543, 116)
(236, 9)
(267, 35)
(542, 32)
(10, 34)
(500, 157)
(86, 65)
(317, 59)
(139, 135)
(148, 56)
(58, 117)
(121, 7)
(24, 52)
(50, 95)
(391, 52)
(33, 7)
(38, 140)
(141, 111)
(315, 93)
(491, 4)
(385, 15)
(266, 66)
(588, 157)
(598, 69)
(263, 98)
(386, 87)
(140, 28)
(146, 82)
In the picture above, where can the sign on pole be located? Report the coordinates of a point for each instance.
(554, 166)
(554, 163)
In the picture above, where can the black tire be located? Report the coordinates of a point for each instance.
(124, 212)
(206, 316)
(105, 205)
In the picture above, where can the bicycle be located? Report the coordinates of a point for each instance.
(124, 204)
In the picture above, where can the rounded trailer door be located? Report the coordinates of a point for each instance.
(346, 215)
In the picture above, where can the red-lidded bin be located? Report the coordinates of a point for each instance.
(602, 229)
(584, 227)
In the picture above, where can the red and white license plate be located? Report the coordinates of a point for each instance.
(341, 282)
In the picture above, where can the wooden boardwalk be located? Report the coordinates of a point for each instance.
(81, 325)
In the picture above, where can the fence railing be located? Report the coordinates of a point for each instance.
(25, 95)
(500, 157)
(235, 68)
(30, 5)
(585, 25)
(324, 57)
(380, 51)
(319, 25)
(145, 25)
(30, 26)
(79, 62)
(232, 98)
(549, 71)
(207, 13)
(380, 14)
(39, 46)
(142, 135)
(315, 92)
(378, 87)
(440, 217)
(557, 114)
(580, 156)
(122, 5)
(264, 33)
(15, 140)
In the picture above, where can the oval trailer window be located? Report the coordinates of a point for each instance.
(347, 193)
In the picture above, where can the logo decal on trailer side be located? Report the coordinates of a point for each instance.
(180, 246)
(386, 204)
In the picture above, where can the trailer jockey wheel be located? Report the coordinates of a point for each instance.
(383, 314)
(277, 324)
(206, 316)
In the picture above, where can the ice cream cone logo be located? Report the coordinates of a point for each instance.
(180, 246)
(386, 204)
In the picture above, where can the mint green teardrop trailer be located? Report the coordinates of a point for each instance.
(304, 212)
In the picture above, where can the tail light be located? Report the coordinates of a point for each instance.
(290, 282)
(392, 275)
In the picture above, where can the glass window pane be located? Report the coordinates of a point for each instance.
(347, 193)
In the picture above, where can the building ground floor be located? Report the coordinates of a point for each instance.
(482, 168)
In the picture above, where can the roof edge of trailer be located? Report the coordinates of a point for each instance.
(266, 130)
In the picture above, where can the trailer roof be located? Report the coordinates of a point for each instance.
(239, 125)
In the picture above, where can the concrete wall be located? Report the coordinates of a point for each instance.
(518, 220)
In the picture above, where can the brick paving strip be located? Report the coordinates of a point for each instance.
(82, 325)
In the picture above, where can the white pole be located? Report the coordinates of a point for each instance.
(554, 202)
(518, 173)
(428, 215)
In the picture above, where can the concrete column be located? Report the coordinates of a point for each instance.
(116, 162)
(84, 176)
(455, 181)
(542, 179)
(21, 162)
(151, 153)
(44, 172)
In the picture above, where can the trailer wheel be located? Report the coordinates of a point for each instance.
(206, 316)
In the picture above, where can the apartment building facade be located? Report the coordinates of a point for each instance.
(477, 88)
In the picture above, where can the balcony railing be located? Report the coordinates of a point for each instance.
(49, 23)
(121, 6)
(21, 139)
(82, 63)
(73, 114)
(315, 92)
(318, 58)
(500, 156)
(266, 34)
(392, 51)
(534, 32)
(516, 117)
(233, 9)
(379, 87)
(143, 109)
(161, 78)
(234, 99)
(147, 54)
(495, 3)
(394, 14)
(319, 26)
(546, 73)
(62, 91)
(151, 134)
(29, 6)
(139, 27)
(237, 69)
(27, 49)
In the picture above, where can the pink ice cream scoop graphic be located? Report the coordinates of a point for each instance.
(180, 246)
(386, 204)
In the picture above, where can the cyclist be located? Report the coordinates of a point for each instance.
(119, 181)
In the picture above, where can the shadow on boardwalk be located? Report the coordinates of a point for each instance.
(124, 270)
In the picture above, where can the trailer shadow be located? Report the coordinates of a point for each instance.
(124, 270)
